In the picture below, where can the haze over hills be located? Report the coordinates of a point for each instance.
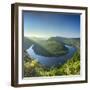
(51, 46)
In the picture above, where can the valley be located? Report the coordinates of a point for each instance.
(53, 52)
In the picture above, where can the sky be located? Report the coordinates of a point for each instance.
(51, 24)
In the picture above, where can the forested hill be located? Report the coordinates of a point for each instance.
(50, 48)
(44, 47)
(70, 41)
(34, 68)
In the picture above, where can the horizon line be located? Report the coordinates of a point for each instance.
(49, 37)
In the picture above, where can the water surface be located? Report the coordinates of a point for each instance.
(51, 61)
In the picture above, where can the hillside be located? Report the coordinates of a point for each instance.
(29, 41)
(50, 48)
(70, 41)
(32, 68)
(53, 46)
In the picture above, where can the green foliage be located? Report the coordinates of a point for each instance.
(29, 68)
(72, 67)
(50, 48)
(53, 46)
(33, 68)
(27, 43)
(69, 41)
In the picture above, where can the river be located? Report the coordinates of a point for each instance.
(51, 61)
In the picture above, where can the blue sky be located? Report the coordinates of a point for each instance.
(49, 24)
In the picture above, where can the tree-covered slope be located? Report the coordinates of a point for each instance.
(70, 41)
(32, 68)
(50, 48)
(53, 46)
(27, 43)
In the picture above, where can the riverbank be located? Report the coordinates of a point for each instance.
(51, 61)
